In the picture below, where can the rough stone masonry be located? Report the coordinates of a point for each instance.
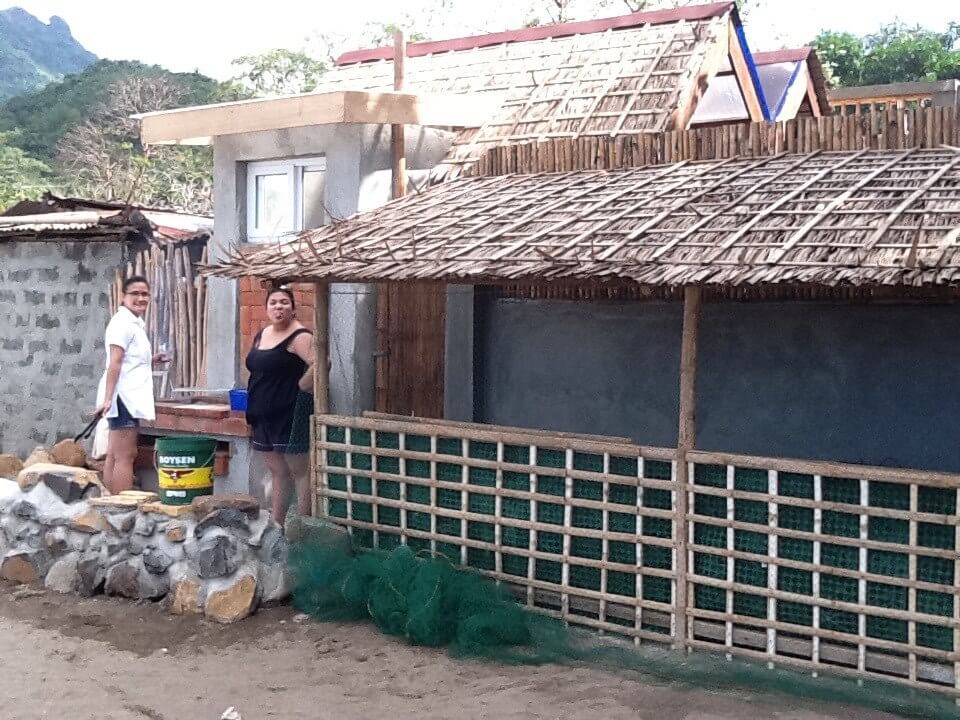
(53, 310)
(221, 557)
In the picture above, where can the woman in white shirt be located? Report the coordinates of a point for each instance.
(125, 394)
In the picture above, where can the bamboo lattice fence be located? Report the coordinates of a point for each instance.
(896, 129)
(820, 566)
(177, 316)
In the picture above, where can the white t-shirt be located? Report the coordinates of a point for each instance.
(135, 385)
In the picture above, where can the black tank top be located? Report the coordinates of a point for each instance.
(274, 378)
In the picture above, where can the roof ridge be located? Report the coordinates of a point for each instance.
(542, 32)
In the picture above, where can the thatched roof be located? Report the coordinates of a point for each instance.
(840, 218)
(614, 76)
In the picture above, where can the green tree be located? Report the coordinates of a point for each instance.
(44, 117)
(21, 176)
(104, 158)
(896, 53)
(279, 72)
(842, 56)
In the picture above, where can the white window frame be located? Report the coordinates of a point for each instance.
(293, 169)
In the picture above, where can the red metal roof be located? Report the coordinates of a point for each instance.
(585, 27)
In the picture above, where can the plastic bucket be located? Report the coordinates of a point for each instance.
(184, 468)
(238, 400)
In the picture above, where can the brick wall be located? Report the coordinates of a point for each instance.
(253, 313)
(54, 308)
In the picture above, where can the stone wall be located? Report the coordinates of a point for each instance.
(53, 310)
(221, 557)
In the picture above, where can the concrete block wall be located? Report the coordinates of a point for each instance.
(54, 308)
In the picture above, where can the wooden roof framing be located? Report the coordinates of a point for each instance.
(793, 83)
(639, 73)
(199, 124)
(870, 218)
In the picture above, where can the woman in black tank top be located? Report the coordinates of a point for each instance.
(280, 401)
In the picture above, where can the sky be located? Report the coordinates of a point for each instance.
(185, 35)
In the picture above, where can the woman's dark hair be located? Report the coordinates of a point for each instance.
(133, 280)
(285, 291)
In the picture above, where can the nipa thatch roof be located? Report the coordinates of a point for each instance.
(864, 218)
(616, 76)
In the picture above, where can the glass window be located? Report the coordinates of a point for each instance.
(284, 197)
(314, 211)
(272, 206)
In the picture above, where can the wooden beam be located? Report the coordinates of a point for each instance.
(321, 375)
(399, 158)
(398, 169)
(196, 125)
(686, 441)
(713, 61)
(741, 71)
(812, 97)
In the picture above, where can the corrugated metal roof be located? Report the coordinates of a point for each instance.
(92, 217)
(70, 221)
(544, 32)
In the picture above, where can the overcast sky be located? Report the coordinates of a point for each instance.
(205, 35)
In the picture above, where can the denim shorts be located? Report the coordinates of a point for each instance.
(124, 420)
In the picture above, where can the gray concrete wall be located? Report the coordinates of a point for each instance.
(341, 146)
(53, 311)
(861, 384)
(358, 179)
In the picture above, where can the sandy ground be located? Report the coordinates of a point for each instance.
(69, 658)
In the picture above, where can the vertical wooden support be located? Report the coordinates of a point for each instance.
(398, 168)
(686, 441)
(321, 379)
(399, 158)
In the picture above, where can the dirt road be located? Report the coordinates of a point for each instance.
(73, 659)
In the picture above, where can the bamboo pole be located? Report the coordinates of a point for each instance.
(686, 441)
(185, 331)
(190, 313)
(205, 258)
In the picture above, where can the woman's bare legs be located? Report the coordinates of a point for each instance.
(121, 454)
(299, 471)
(281, 485)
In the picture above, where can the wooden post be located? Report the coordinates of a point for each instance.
(321, 378)
(399, 169)
(399, 165)
(686, 441)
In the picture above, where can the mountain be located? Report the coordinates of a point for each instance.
(33, 53)
(42, 118)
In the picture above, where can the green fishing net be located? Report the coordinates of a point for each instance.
(428, 601)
